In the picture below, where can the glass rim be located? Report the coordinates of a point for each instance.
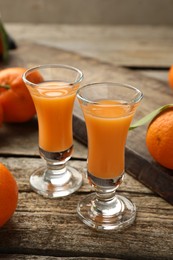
(54, 65)
(132, 101)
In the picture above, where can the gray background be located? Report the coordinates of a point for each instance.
(142, 12)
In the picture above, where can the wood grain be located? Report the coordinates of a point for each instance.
(134, 46)
(22, 168)
(41, 257)
(51, 227)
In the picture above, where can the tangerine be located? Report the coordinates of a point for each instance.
(8, 194)
(159, 138)
(15, 98)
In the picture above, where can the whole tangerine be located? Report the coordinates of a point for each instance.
(159, 138)
(8, 194)
(15, 98)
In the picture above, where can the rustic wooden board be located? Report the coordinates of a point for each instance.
(130, 45)
(156, 93)
(22, 168)
(42, 257)
(46, 227)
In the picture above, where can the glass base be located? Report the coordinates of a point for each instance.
(56, 186)
(122, 215)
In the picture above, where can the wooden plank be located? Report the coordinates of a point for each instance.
(156, 74)
(50, 227)
(43, 257)
(59, 233)
(17, 165)
(156, 93)
(139, 46)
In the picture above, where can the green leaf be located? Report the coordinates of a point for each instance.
(149, 117)
(4, 39)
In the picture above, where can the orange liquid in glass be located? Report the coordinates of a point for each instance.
(107, 125)
(54, 104)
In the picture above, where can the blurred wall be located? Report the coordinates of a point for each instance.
(152, 12)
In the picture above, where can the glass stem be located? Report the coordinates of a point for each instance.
(57, 174)
(104, 195)
(105, 203)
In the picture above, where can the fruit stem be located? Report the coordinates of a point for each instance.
(5, 86)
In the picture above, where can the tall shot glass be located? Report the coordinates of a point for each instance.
(53, 90)
(108, 110)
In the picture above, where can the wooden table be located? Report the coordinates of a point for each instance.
(49, 229)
